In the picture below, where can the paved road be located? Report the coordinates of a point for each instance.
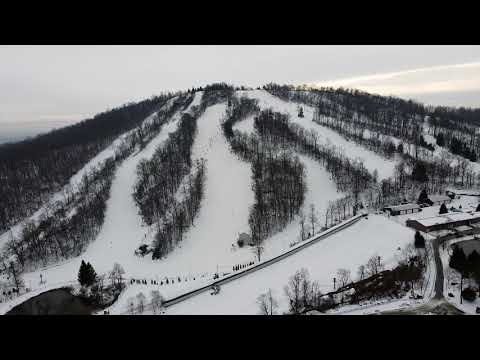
(439, 278)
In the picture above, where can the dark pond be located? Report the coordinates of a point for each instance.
(53, 302)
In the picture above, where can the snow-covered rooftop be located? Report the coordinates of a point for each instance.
(472, 192)
(403, 207)
(448, 218)
(463, 228)
(437, 198)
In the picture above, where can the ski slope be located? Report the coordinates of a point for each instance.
(75, 180)
(371, 160)
(223, 214)
(320, 191)
(122, 231)
(347, 249)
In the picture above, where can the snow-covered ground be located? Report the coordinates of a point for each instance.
(223, 214)
(320, 191)
(122, 231)
(75, 180)
(427, 131)
(371, 160)
(346, 249)
(73, 184)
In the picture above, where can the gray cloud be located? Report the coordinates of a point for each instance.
(38, 83)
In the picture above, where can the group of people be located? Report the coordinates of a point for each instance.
(8, 294)
(241, 266)
(166, 281)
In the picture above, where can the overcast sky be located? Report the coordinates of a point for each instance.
(58, 84)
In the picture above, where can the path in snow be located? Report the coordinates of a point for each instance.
(370, 159)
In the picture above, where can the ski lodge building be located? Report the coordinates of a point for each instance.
(402, 209)
(439, 199)
(453, 193)
(462, 222)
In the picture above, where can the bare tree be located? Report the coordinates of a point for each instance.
(267, 303)
(313, 218)
(156, 300)
(15, 273)
(141, 302)
(258, 249)
(361, 272)
(116, 274)
(374, 265)
(407, 253)
(343, 277)
(302, 225)
(131, 305)
(294, 290)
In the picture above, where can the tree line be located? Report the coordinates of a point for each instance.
(67, 226)
(350, 176)
(159, 177)
(371, 121)
(32, 169)
(278, 177)
(354, 112)
(170, 172)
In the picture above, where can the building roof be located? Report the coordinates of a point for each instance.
(440, 233)
(463, 228)
(448, 218)
(403, 207)
(472, 192)
(436, 198)
(244, 236)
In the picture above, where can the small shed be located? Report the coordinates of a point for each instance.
(245, 238)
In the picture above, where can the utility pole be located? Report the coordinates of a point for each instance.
(334, 281)
(461, 285)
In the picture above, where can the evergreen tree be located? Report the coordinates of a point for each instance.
(91, 275)
(82, 274)
(440, 140)
(419, 172)
(400, 148)
(419, 240)
(300, 112)
(443, 209)
(458, 260)
(473, 262)
(423, 198)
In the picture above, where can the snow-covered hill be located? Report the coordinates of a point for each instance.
(210, 244)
